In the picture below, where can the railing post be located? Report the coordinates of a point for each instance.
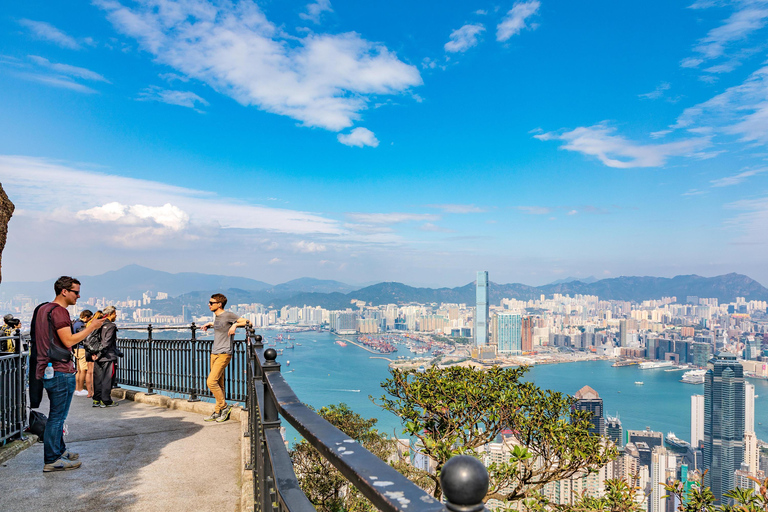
(21, 395)
(271, 416)
(150, 364)
(271, 420)
(192, 362)
(464, 481)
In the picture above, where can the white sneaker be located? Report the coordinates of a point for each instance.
(81, 393)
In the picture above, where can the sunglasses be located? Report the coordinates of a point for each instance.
(76, 292)
(212, 302)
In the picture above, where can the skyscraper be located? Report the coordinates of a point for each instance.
(662, 462)
(749, 407)
(723, 423)
(697, 420)
(614, 431)
(623, 334)
(481, 310)
(527, 334)
(588, 400)
(509, 336)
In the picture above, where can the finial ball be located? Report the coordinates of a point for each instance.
(464, 480)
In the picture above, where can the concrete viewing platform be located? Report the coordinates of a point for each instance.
(136, 457)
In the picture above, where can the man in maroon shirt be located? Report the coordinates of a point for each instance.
(53, 326)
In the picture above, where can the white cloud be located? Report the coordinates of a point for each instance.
(616, 151)
(274, 261)
(741, 110)
(656, 93)
(315, 10)
(321, 80)
(750, 16)
(464, 38)
(434, 228)
(310, 247)
(391, 218)
(167, 216)
(535, 210)
(66, 69)
(457, 208)
(38, 185)
(47, 32)
(752, 222)
(56, 81)
(515, 20)
(359, 137)
(738, 178)
(573, 212)
(180, 98)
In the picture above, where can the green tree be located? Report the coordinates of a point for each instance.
(458, 410)
(327, 488)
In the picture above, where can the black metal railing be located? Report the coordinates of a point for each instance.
(13, 397)
(464, 479)
(177, 365)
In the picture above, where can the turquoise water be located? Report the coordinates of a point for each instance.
(325, 373)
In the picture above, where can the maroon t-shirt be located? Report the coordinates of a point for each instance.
(59, 319)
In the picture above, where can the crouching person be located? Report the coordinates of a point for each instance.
(104, 361)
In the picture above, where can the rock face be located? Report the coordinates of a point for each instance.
(6, 212)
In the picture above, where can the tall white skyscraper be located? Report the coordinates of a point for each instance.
(662, 462)
(751, 452)
(749, 407)
(697, 420)
(482, 309)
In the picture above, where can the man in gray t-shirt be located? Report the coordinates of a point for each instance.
(224, 325)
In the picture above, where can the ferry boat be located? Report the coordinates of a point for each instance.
(623, 363)
(694, 377)
(639, 382)
(650, 365)
(341, 343)
(676, 443)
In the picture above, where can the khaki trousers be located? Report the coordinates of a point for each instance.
(215, 380)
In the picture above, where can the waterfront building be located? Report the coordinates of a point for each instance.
(723, 423)
(701, 353)
(647, 436)
(508, 333)
(527, 334)
(481, 309)
(588, 400)
(697, 420)
(623, 334)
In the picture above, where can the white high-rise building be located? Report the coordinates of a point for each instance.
(749, 408)
(697, 420)
(751, 452)
(481, 309)
(662, 462)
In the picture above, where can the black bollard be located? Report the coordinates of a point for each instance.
(464, 481)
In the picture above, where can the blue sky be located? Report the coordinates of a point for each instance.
(415, 142)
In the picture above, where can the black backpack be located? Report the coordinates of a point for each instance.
(93, 343)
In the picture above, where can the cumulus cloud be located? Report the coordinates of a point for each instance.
(315, 10)
(304, 246)
(464, 38)
(47, 32)
(391, 218)
(167, 216)
(359, 137)
(515, 20)
(321, 80)
(616, 151)
(181, 98)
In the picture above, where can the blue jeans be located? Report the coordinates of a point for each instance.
(60, 390)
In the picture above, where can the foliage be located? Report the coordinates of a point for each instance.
(619, 497)
(458, 410)
(326, 487)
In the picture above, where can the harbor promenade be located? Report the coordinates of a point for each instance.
(136, 457)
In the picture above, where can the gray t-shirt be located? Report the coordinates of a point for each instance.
(222, 341)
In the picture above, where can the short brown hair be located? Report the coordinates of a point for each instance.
(220, 297)
(86, 314)
(64, 283)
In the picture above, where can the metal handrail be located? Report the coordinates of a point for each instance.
(275, 484)
(13, 398)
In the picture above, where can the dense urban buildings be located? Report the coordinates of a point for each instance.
(481, 309)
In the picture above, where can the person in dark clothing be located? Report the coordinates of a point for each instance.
(105, 361)
(82, 364)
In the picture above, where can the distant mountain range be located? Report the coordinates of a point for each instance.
(195, 288)
(587, 280)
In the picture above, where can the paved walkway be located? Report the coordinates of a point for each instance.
(136, 457)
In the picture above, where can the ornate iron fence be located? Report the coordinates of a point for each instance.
(13, 397)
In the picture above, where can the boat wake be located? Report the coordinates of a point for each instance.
(346, 390)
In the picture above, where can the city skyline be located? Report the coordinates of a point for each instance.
(536, 139)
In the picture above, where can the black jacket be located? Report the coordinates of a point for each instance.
(109, 342)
